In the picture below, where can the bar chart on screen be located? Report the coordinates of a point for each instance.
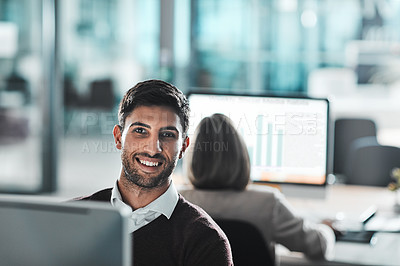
(288, 147)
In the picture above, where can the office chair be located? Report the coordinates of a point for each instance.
(247, 243)
(370, 163)
(346, 131)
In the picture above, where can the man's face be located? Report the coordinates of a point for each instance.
(151, 144)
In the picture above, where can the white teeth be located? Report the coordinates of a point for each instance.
(149, 163)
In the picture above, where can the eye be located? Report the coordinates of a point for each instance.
(140, 130)
(168, 134)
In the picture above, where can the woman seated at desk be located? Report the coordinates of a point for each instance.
(220, 178)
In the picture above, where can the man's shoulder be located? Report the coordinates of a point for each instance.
(102, 195)
(197, 227)
(187, 209)
(192, 217)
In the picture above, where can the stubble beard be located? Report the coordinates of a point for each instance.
(132, 175)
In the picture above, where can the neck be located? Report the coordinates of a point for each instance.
(138, 197)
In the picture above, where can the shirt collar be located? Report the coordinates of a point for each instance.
(164, 204)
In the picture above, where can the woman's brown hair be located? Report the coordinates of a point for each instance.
(218, 158)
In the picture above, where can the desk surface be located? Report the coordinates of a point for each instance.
(349, 202)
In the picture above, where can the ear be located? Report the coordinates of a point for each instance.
(185, 145)
(117, 136)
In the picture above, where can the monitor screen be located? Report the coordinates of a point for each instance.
(49, 233)
(286, 137)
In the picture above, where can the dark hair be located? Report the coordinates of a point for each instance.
(155, 92)
(218, 159)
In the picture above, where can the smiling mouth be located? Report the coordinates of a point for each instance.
(148, 163)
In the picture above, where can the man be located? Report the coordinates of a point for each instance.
(167, 230)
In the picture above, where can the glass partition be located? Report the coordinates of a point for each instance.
(21, 91)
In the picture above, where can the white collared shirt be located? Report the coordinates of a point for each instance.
(164, 204)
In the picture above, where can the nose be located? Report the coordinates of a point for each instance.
(153, 146)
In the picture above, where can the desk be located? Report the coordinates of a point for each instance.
(349, 202)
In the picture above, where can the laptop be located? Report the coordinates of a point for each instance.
(71, 233)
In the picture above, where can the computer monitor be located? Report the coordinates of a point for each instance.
(286, 136)
(49, 233)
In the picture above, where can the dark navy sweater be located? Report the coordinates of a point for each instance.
(190, 237)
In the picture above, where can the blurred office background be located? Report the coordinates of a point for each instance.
(65, 64)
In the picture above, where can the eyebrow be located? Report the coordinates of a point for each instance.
(139, 124)
(170, 128)
(148, 126)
